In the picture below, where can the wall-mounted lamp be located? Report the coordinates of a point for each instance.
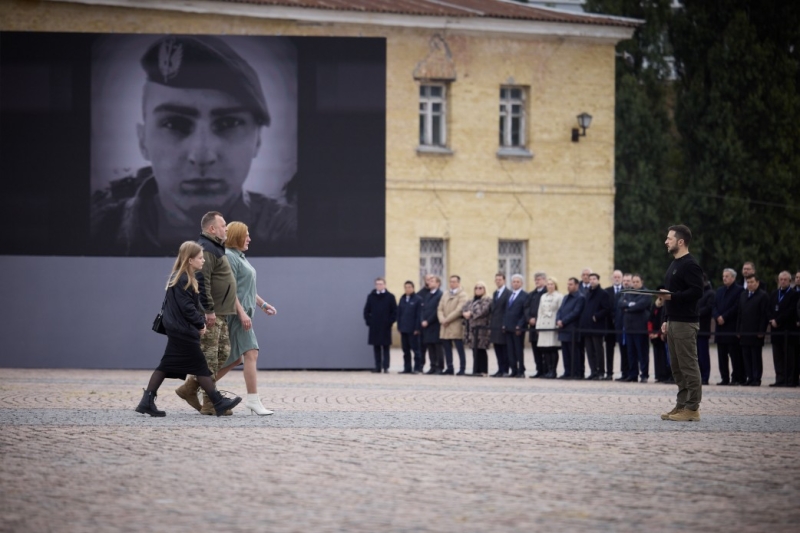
(584, 121)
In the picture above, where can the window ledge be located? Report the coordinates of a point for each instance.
(514, 153)
(436, 150)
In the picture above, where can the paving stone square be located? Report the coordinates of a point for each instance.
(362, 452)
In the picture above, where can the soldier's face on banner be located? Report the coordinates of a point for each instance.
(201, 143)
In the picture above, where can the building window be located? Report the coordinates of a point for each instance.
(513, 118)
(432, 254)
(511, 259)
(433, 115)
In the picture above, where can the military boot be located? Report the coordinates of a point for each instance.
(686, 415)
(665, 416)
(188, 392)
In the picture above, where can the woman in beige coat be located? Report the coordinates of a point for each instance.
(476, 328)
(546, 319)
(452, 324)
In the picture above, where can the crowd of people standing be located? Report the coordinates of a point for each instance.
(585, 326)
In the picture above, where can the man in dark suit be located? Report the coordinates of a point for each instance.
(636, 312)
(585, 284)
(423, 294)
(749, 269)
(705, 308)
(619, 325)
(409, 324)
(751, 326)
(531, 308)
(611, 338)
(726, 316)
(514, 327)
(783, 325)
(567, 319)
(380, 313)
(430, 326)
(594, 316)
(498, 313)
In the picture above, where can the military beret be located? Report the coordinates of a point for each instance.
(205, 62)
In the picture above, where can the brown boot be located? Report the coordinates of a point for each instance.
(188, 392)
(665, 416)
(208, 407)
(686, 415)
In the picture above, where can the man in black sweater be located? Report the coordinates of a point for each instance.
(684, 281)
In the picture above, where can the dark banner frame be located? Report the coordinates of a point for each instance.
(45, 117)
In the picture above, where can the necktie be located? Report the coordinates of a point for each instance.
(511, 300)
(749, 295)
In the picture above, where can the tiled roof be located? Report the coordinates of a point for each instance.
(502, 9)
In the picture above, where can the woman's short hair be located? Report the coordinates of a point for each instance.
(480, 284)
(237, 235)
(554, 280)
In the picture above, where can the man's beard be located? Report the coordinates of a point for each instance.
(673, 250)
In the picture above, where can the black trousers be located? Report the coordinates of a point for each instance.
(783, 357)
(435, 357)
(732, 349)
(381, 357)
(538, 355)
(480, 361)
(550, 356)
(410, 344)
(514, 345)
(660, 362)
(753, 361)
(611, 342)
(593, 344)
(448, 353)
(573, 359)
(501, 354)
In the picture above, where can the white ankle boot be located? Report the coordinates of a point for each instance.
(253, 402)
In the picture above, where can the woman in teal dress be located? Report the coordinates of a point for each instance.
(244, 344)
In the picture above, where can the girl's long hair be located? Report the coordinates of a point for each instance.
(187, 250)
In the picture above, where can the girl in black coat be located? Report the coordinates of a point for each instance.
(184, 324)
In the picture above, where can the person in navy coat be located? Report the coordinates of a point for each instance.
(751, 328)
(514, 327)
(380, 313)
(726, 316)
(498, 313)
(409, 324)
(567, 319)
(636, 313)
(430, 326)
(593, 320)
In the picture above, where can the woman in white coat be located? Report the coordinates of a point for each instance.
(545, 320)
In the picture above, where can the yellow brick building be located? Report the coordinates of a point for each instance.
(553, 197)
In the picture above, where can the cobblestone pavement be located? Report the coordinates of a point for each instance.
(354, 451)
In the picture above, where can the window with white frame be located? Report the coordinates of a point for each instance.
(512, 117)
(511, 259)
(432, 256)
(433, 114)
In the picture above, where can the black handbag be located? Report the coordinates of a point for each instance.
(158, 323)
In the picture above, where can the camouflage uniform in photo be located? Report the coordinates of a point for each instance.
(125, 217)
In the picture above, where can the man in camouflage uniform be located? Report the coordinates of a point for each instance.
(217, 286)
(203, 110)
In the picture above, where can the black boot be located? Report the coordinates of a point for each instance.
(147, 405)
(222, 404)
